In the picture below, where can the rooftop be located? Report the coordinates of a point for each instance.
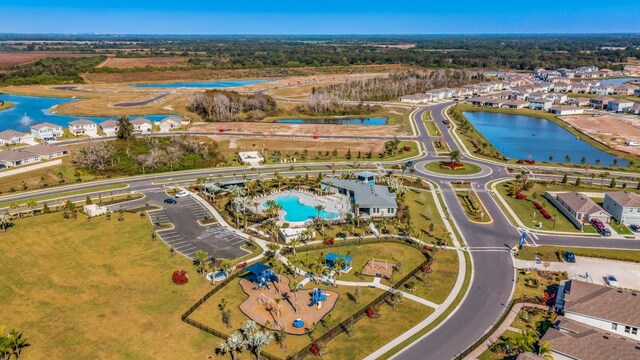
(603, 302)
(625, 198)
(43, 149)
(109, 123)
(579, 202)
(81, 122)
(10, 134)
(15, 155)
(364, 194)
(45, 125)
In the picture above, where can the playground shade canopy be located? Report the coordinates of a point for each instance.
(333, 257)
(258, 268)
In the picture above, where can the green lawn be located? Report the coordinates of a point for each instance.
(98, 289)
(426, 116)
(432, 128)
(530, 216)
(423, 212)
(436, 285)
(468, 169)
(550, 253)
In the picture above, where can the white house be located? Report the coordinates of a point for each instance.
(46, 131)
(415, 98)
(636, 92)
(46, 151)
(600, 102)
(540, 104)
(610, 309)
(578, 101)
(635, 110)
(15, 157)
(582, 207)
(619, 105)
(580, 88)
(12, 137)
(142, 125)
(602, 89)
(557, 98)
(624, 206)
(289, 234)
(624, 89)
(109, 127)
(565, 110)
(169, 123)
(83, 127)
(373, 200)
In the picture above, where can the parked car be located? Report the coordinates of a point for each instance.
(181, 194)
(170, 201)
(605, 232)
(569, 257)
(612, 281)
(634, 228)
(597, 224)
(409, 164)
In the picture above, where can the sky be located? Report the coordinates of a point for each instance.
(319, 17)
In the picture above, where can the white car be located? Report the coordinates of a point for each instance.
(612, 281)
(181, 194)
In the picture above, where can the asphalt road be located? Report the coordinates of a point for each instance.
(493, 270)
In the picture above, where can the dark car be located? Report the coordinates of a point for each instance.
(634, 228)
(409, 164)
(569, 257)
(605, 232)
(170, 201)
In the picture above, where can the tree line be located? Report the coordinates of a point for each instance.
(222, 105)
(50, 71)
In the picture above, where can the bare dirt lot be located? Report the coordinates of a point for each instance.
(277, 144)
(128, 63)
(610, 129)
(298, 129)
(8, 59)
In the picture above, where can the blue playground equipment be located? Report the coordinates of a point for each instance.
(331, 258)
(317, 295)
(298, 323)
(261, 275)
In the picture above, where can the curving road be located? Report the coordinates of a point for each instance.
(493, 272)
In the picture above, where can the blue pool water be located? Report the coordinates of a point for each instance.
(30, 110)
(337, 121)
(296, 211)
(203, 84)
(527, 137)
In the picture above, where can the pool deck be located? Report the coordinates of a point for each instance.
(334, 203)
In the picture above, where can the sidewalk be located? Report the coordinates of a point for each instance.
(506, 325)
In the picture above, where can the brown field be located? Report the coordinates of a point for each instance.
(277, 144)
(610, 129)
(8, 59)
(128, 63)
(299, 129)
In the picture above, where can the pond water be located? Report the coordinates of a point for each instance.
(30, 110)
(338, 121)
(617, 82)
(297, 211)
(202, 84)
(527, 137)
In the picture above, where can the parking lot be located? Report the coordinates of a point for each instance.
(188, 236)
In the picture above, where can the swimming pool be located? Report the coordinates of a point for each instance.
(297, 211)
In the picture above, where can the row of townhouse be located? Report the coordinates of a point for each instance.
(48, 131)
(623, 206)
(451, 93)
(30, 154)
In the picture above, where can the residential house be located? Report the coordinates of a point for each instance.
(557, 98)
(536, 96)
(515, 104)
(624, 89)
(12, 137)
(169, 123)
(540, 104)
(415, 98)
(580, 88)
(109, 127)
(496, 103)
(600, 102)
(602, 89)
(373, 200)
(573, 340)
(619, 105)
(624, 206)
(565, 110)
(562, 86)
(635, 110)
(636, 92)
(582, 207)
(577, 101)
(606, 308)
(46, 151)
(83, 127)
(46, 131)
(479, 101)
(15, 157)
(141, 125)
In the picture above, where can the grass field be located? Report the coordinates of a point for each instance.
(552, 253)
(128, 63)
(432, 128)
(66, 194)
(436, 285)
(468, 169)
(9, 59)
(423, 213)
(81, 290)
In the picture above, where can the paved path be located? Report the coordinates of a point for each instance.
(506, 325)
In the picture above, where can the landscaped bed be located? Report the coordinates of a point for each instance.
(470, 202)
(458, 169)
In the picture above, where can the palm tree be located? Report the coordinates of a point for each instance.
(258, 340)
(320, 208)
(273, 248)
(5, 222)
(454, 156)
(31, 205)
(16, 343)
(295, 287)
(524, 341)
(200, 260)
(226, 266)
(544, 350)
(603, 176)
(233, 344)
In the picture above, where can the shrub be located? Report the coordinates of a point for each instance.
(329, 241)
(406, 148)
(180, 277)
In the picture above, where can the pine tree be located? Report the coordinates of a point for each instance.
(564, 179)
(578, 181)
(613, 183)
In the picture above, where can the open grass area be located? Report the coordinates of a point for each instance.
(426, 116)
(395, 253)
(424, 213)
(98, 289)
(432, 128)
(553, 253)
(530, 216)
(468, 169)
(442, 147)
(533, 284)
(436, 285)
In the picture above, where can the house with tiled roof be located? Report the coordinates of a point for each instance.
(624, 206)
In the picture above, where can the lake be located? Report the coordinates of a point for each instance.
(617, 82)
(30, 110)
(337, 121)
(527, 137)
(203, 84)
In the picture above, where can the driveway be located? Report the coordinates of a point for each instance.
(628, 273)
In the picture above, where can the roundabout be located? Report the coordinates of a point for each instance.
(470, 169)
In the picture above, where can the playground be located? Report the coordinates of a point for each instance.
(272, 303)
(377, 267)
